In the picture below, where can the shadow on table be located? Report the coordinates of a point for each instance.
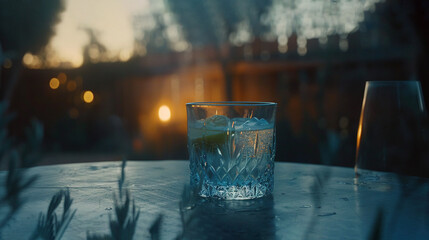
(219, 219)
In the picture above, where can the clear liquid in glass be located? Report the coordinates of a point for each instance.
(232, 159)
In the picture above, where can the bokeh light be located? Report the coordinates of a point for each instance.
(32, 61)
(124, 56)
(71, 86)
(62, 77)
(7, 63)
(88, 97)
(164, 113)
(28, 59)
(54, 83)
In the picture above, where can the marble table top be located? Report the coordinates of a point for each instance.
(309, 202)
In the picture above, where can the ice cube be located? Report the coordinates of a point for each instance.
(197, 123)
(238, 122)
(251, 122)
(254, 123)
(262, 122)
(217, 121)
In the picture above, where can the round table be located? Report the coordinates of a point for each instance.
(309, 202)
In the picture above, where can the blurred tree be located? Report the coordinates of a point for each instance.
(151, 31)
(95, 50)
(25, 26)
(220, 24)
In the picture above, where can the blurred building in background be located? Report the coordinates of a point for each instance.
(113, 77)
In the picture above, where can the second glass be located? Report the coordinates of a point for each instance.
(231, 148)
(392, 129)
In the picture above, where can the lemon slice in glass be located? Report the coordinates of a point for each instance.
(211, 135)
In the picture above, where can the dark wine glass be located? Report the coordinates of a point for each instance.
(393, 129)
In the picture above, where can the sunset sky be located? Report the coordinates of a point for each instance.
(112, 21)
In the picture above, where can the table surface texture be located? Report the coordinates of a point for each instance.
(309, 202)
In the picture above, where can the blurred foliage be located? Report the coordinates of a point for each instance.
(155, 229)
(219, 20)
(27, 26)
(19, 158)
(188, 201)
(317, 190)
(16, 183)
(124, 226)
(31, 151)
(377, 227)
(5, 119)
(49, 227)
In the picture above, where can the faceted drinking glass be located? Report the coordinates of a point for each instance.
(231, 148)
(393, 131)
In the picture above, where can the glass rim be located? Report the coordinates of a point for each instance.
(393, 82)
(230, 103)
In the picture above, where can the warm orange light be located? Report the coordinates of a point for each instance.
(28, 59)
(71, 86)
(54, 83)
(124, 55)
(88, 97)
(62, 77)
(164, 113)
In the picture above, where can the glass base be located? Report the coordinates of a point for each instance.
(234, 192)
